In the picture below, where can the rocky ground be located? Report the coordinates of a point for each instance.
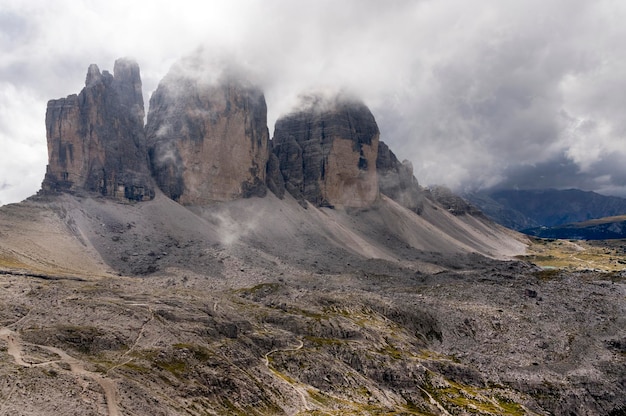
(184, 317)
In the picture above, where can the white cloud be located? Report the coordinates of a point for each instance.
(23, 158)
(465, 90)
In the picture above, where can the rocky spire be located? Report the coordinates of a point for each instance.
(207, 134)
(96, 140)
(327, 151)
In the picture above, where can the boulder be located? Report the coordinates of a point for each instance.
(96, 140)
(327, 151)
(207, 134)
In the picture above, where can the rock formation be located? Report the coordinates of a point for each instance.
(327, 152)
(452, 202)
(96, 140)
(207, 141)
(396, 180)
(274, 178)
(207, 135)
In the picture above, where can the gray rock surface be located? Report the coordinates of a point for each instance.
(274, 178)
(96, 141)
(327, 151)
(396, 180)
(452, 202)
(207, 134)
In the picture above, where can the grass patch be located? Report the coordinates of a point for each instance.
(155, 358)
(173, 365)
(80, 338)
(262, 289)
(605, 255)
(323, 342)
(283, 376)
(137, 368)
(11, 262)
(454, 397)
(320, 397)
(391, 351)
(547, 274)
(199, 352)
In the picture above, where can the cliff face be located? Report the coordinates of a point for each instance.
(396, 180)
(208, 138)
(327, 152)
(96, 140)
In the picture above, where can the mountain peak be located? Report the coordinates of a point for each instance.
(207, 136)
(96, 141)
(327, 150)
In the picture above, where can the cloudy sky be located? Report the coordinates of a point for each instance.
(487, 93)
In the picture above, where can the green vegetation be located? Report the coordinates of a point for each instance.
(391, 351)
(322, 342)
(10, 262)
(606, 255)
(138, 368)
(548, 274)
(173, 365)
(199, 352)
(262, 289)
(155, 358)
(80, 338)
(454, 396)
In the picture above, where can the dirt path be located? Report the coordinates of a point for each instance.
(267, 355)
(435, 403)
(14, 349)
(298, 389)
(77, 367)
(136, 342)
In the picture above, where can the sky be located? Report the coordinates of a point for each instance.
(477, 95)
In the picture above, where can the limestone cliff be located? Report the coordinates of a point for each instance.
(396, 180)
(207, 135)
(327, 152)
(96, 140)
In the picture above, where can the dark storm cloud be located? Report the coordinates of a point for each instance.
(561, 172)
(475, 94)
(557, 172)
(519, 93)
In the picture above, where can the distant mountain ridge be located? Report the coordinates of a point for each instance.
(608, 228)
(525, 209)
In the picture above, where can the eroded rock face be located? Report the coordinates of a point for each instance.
(274, 178)
(207, 136)
(96, 140)
(327, 152)
(396, 180)
(452, 202)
